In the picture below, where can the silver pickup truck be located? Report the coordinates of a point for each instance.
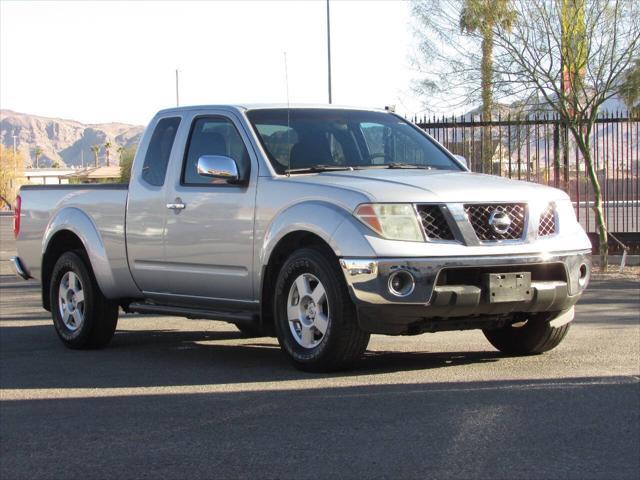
(323, 225)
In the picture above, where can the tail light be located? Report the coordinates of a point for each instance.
(16, 216)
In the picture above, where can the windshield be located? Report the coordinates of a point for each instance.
(308, 139)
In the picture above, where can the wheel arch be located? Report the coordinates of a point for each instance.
(72, 229)
(314, 222)
(288, 243)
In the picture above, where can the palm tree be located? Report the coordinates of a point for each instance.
(121, 150)
(483, 16)
(107, 149)
(36, 153)
(96, 150)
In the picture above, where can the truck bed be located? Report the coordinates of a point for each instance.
(46, 209)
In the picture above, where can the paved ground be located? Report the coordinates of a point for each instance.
(176, 398)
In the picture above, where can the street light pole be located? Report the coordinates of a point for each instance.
(15, 163)
(177, 97)
(329, 49)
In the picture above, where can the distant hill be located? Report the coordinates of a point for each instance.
(66, 142)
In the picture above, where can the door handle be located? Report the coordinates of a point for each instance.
(176, 205)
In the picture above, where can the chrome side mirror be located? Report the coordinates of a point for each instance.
(461, 159)
(218, 166)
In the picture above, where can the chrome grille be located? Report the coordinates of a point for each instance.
(434, 223)
(547, 224)
(480, 214)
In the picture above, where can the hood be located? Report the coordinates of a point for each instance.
(416, 186)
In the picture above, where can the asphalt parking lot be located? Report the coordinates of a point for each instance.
(176, 398)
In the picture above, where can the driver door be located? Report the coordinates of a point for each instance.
(209, 240)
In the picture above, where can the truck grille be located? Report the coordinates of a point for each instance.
(434, 224)
(484, 220)
(547, 224)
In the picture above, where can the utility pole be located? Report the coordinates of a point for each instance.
(15, 162)
(329, 48)
(177, 96)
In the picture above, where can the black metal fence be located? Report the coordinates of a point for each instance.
(539, 148)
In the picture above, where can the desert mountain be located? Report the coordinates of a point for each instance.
(65, 142)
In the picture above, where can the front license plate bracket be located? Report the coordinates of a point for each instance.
(508, 287)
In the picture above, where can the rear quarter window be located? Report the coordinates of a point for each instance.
(154, 168)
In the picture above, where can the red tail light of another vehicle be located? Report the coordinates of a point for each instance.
(16, 216)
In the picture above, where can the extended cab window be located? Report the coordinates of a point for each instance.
(156, 160)
(214, 136)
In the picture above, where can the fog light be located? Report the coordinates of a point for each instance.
(401, 283)
(583, 275)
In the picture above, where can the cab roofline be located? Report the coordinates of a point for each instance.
(264, 106)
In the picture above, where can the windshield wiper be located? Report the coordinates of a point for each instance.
(408, 165)
(320, 168)
(399, 165)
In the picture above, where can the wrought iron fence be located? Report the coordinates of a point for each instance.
(539, 148)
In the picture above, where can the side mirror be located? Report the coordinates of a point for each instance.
(461, 159)
(218, 166)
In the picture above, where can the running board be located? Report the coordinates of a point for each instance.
(239, 317)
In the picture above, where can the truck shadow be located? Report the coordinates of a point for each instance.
(32, 356)
(169, 358)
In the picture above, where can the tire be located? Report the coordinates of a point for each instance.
(82, 316)
(310, 349)
(251, 331)
(534, 337)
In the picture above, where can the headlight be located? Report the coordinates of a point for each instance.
(395, 221)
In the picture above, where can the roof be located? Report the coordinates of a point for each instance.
(262, 106)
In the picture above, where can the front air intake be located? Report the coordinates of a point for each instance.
(434, 223)
(547, 224)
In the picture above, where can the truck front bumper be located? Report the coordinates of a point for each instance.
(453, 293)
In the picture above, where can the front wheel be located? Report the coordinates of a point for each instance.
(82, 316)
(315, 320)
(536, 335)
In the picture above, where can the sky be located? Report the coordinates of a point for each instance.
(97, 61)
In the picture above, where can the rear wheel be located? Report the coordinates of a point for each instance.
(315, 320)
(82, 316)
(531, 337)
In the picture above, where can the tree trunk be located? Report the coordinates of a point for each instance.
(487, 98)
(603, 238)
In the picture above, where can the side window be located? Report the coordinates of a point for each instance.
(214, 136)
(156, 160)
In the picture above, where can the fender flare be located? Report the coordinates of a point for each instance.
(80, 224)
(332, 223)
